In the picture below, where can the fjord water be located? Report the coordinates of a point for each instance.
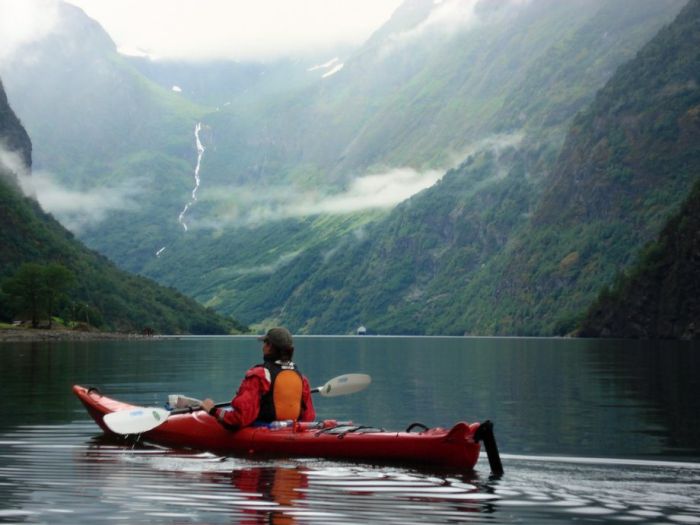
(601, 431)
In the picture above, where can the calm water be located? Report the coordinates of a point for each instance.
(594, 431)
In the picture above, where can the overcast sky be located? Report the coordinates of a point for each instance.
(204, 29)
(239, 29)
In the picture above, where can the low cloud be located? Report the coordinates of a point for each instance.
(376, 191)
(25, 21)
(12, 161)
(76, 210)
(249, 206)
(495, 143)
(79, 210)
(223, 29)
(446, 18)
(271, 268)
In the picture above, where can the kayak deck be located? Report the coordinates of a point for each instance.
(457, 447)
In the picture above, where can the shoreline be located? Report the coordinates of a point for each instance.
(20, 335)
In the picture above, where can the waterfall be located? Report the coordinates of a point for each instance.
(200, 153)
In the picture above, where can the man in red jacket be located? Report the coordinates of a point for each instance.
(273, 390)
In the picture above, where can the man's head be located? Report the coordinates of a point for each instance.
(280, 343)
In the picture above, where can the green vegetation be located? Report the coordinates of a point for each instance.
(519, 242)
(39, 258)
(655, 298)
(563, 182)
(421, 267)
(37, 290)
(104, 295)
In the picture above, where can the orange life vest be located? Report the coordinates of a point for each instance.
(283, 400)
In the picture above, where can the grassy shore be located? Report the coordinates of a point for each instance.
(12, 334)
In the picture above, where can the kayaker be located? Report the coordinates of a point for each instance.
(272, 390)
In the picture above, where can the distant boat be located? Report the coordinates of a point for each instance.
(362, 330)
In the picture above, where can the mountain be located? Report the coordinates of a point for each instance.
(111, 298)
(222, 83)
(416, 94)
(657, 298)
(382, 269)
(471, 253)
(103, 131)
(628, 163)
(288, 225)
(507, 261)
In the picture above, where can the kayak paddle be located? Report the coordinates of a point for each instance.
(343, 385)
(142, 419)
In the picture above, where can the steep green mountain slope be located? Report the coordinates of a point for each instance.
(504, 80)
(114, 299)
(628, 162)
(423, 251)
(659, 297)
(444, 261)
(552, 264)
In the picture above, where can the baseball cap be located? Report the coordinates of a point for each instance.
(278, 337)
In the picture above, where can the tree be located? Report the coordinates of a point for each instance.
(26, 286)
(57, 280)
(37, 288)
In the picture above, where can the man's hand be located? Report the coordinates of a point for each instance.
(207, 405)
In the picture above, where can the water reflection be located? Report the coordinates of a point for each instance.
(599, 398)
(69, 474)
(557, 405)
(282, 486)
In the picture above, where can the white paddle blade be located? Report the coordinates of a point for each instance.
(345, 384)
(135, 421)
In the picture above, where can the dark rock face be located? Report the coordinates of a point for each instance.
(13, 136)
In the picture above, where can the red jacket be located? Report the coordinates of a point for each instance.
(246, 403)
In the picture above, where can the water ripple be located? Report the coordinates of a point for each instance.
(65, 474)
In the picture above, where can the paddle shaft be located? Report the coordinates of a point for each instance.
(195, 408)
(142, 419)
(187, 410)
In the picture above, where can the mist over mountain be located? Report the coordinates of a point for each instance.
(104, 295)
(416, 184)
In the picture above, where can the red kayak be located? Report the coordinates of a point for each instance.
(457, 447)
